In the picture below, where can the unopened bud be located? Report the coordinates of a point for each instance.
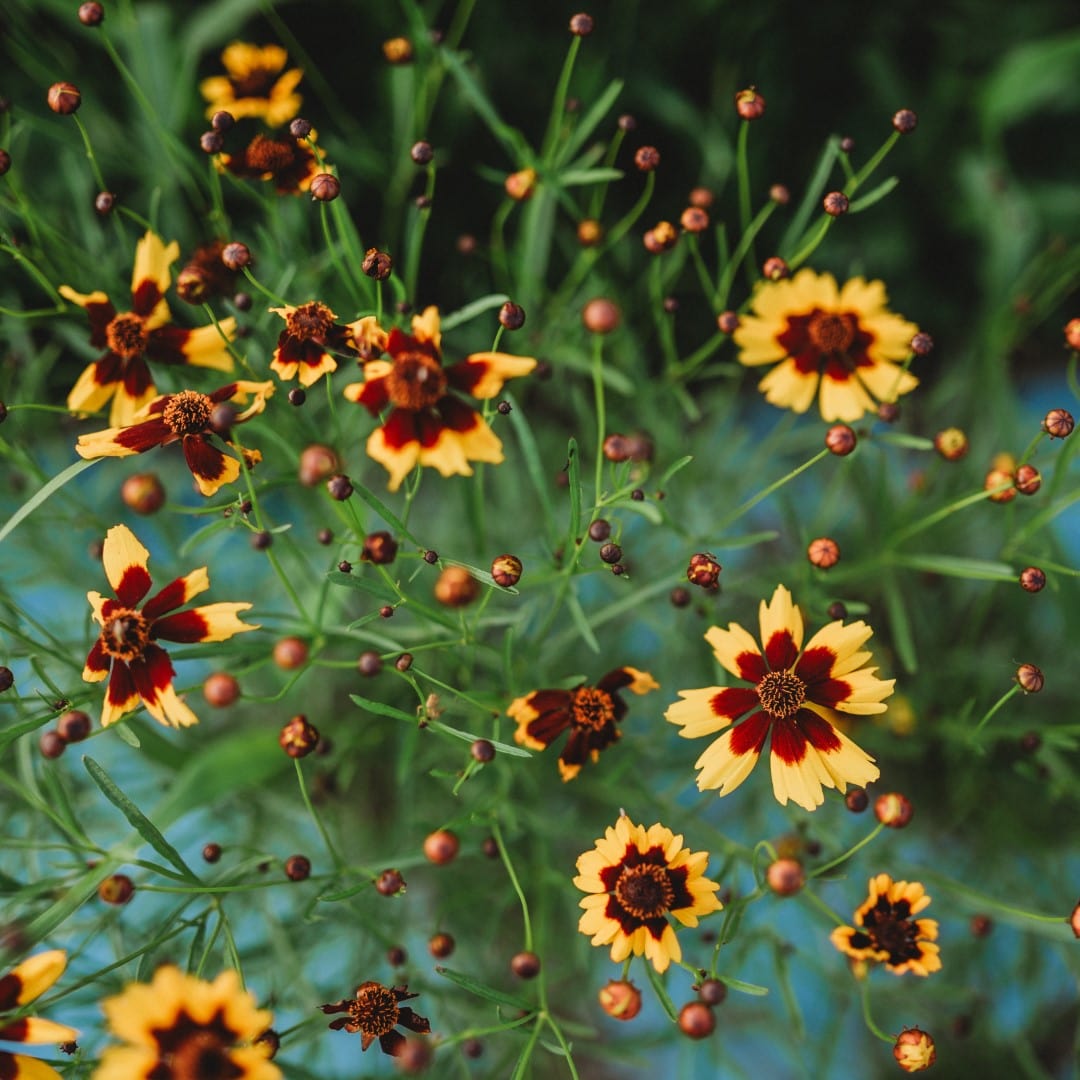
(905, 121)
(749, 104)
(620, 999)
(325, 187)
(298, 738)
(951, 444)
(1058, 424)
(456, 587)
(582, 25)
(601, 316)
(1030, 678)
(506, 570)
(835, 203)
(646, 158)
(894, 810)
(64, 98)
(235, 255)
(775, 269)
(377, 264)
(914, 1050)
(1032, 579)
(823, 552)
(703, 571)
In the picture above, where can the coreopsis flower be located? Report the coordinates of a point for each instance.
(375, 1011)
(887, 932)
(914, 1050)
(126, 650)
(290, 163)
(303, 346)
(142, 334)
(591, 713)
(796, 695)
(636, 878)
(190, 418)
(184, 1028)
(839, 344)
(428, 424)
(23, 984)
(256, 85)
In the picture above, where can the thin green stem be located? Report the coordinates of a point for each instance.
(1010, 693)
(766, 492)
(864, 995)
(339, 862)
(818, 871)
(742, 172)
(601, 415)
(496, 832)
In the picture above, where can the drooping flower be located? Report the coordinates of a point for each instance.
(427, 423)
(257, 84)
(190, 418)
(303, 346)
(839, 344)
(796, 696)
(887, 932)
(375, 1011)
(636, 878)
(591, 713)
(289, 163)
(178, 1027)
(126, 650)
(20, 986)
(142, 334)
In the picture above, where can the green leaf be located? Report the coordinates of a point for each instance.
(484, 990)
(125, 734)
(1035, 78)
(811, 201)
(649, 511)
(573, 466)
(200, 535)
(53, 486)
(471, 311)
(957, 566)
(385, 512)
(380, 709)
(909, 442)
(581, 621)
(591, 120)
(136, 818)
(379, 589)
(530, 451)
(672, 469)
(744, 987)
(900, 623)
(469, 737)
(580, 177)
(513, 141)
(874, 195)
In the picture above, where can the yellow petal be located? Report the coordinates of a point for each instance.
(120, 552)
(728, 645)
(722, 769)
(498, 368)
(425, 327)
(788, 388)
(780, 615)
(695, 713)
(88, 395)
(82, 299)
(398, 461)
(29, 1068)
(206, 347)
(99, 444)
(37, 973)
(152, 261)
(844, 400)
(38, 1032)
(643, 681)
(222, 620)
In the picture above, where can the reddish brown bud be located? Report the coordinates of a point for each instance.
(894, 810)
(662, 237)
(951, 444)
(390, 883)
(5, 162)
(235, 255)
(456, 587)
(525, 965)
(422, 153)
(847, 144)
(1030, 678)
(290, 653)
(857, 800)
(7, 679)
(785, 876)
(222, 120)
(317, 463)
(64, 98)
(211, 852)
(1032, 579)
(981, 926)
(413, 1056)
(298, 738)
(835, 203)
(52, 744)
(611, 553)
(694, 219)
(91, 13)
(823, 552)
(1058, 424)
(779, 194)
(73, 725)
(116, 889)
(340, 487)
(482, 750)
(1072, 334)
(441, 945)
(995, 478)
(620, 999)
(211, 142)
(646, 158)
(506, 570)
(712, 991)
(300, 128)
(888, 412)
(143, 493)
(914, 1050)
(221, 689)
(386, 612)
(701, 196)
(298, 868)
(398, 50)
(749, 104)
(1027, 480)
(1074, 920)
(369, 663)
(601, 316)
(581, 25)
(679, 597)
(922, 344)
(521, 184)
(837, 610)
(775, 269)
(589, 232)
(704, 570)
(325, 187)
(905, 121)
(441, 847)
(379, 548)
(727, 322)
(511, 316)
(377, 264)
(696, 1020)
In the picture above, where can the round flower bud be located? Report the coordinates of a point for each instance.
(520, 185)
(52, 744)
(701, 196)
(703, 570)
(646, 158)
(847, 144)
(525, 965)
(398, 50)
(837, 610)
(5, 162)
(1027, 480)
(599, 530)
(775, 269)
(396, 956)
(857, 800)
(835, 203)
(297, 396)
(441, 945)
(951, 444)
(696, 1020)
(894, 810)
(235, 255)
(922, 344)
(823, 552)
(211, 852)
(589, 232)
(482, 750)
(91, 13)
(456, 587)
(1030, 678)
(369, 663)
(662, 237)
(73, 725)
(290, 653)
(905, 121)
(712, 991)
(981, 926)
(104, 202)
(441, 847)
(506, 570)
(511, 316)
(422, 153)
(611, 553)
(379, 548)
(431, 557)
(317, 463)
(627, 122)
(211, 142)
(222, 120)
(994, 479)
(298, 868)
(779, 194)
(116, 889)
(7, 679)
(390, 883)
(694, 219)
(581, 25)
(472, 1048)
(620, 999)
(340, 487)
(1032, 579)
(888, 412)
(785, 876)
(221, 689)
(1072, 334)
(377, 264)
(601, 316)
(64, 98)
(325, 187)
(749, 104)
(300, 128)
(914, 1050)
(143, 493)
(679, 597)
(727, 322)
(413, 1055)
(1058, 424)
(298, 738)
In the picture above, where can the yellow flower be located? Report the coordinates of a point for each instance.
(839, 344)
(23, 984)
(255, 85)
(636, 878)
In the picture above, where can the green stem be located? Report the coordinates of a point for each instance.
(766, 492)
(939, 515)
(742, 171)
(263, 289)
(864, 994)
(496, 832)
(818, 871)
(334, 854)
(1012, 692)
(558, 102)
(601, 415)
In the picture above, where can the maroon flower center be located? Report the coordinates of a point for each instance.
(831, 333)
(644, 891)
(269, 155)
(126, 335)
(891, 930)
(375, 1010)
(187, 412)
(201, 1056)
(781, 693)
(256, 83)
(125, 634)
(310, 322)
(416, 381)
(592, 708)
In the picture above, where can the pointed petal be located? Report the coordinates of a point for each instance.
(729, 760)
(787, 387)
(97, 663)
(781, 629)
(711, 709)
(737, 652)
(125, 561)
(121, 697)
(212, 622)
(97, 383)
(483, 374)
(425, 327)
(843, 399)
(210, 467)
(395, 446)
(152, 261)
(177, 593)
(31, 978)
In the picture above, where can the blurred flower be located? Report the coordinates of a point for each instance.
(427, 424)
(796, 695)
(844, 341)
(180, 1026)
(374, 1012)
(635, 878)
(310, 330)
(290, 163)
(144, 333)
(138, 668)
(886, 931)
(592, 713)
(193, 419)
(20, 986)
(914, 1050)
(257, 84)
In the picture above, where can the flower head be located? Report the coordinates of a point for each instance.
(840, 344)
(592, 714)
(887, 932)
(302, 348)
(140, 670)
(20, 986)
(375, 1011)
(290, 163)
(190, 418)
(797, 694)
(636, 878)
(428, 424)
(142, 334)
(183, 1028)
(257, 84)
(914, 1050)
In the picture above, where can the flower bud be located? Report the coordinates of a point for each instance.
(712, 991)
(116, 889)
(1027, 480)
(5, 162)
(211, 852)
(325, 187)
(298, 738)
(1072, 334)
(824, 552)
(749, 104)
(894, 810)
(482, 750)
(456, 587)
(951, 444)
(221, 689)
(775, 269)
(390, 883)
(589, 232)
(222, 120)
(646, 158)
(369, 663)
(441, 847)
(143, 493)
(398, 50)
(727, 322)
(64, 98)
(7, 679)
(922, 344)
(91, 13)
(422, 153)
(601, 316)
(1074, 920)
(73, 725)
(298, 868)
(785, 876)
(694, 219)
(981, 926)
(581, 25)
(521, 184)
(611, 553)
(835, 203)
(779, 194)
(317, 463)
(701, 196)
(1032, 579)
(620, 999)
(441, 945)
(377, 264)
(511, 316)
(994, 479)
(52, 744)
(235, 255)
(379, 548)
(1058, 424)
(271, 1039)
(340, 487)
(696, 1020)
(857, 800)
(703, 571)
(905, 121)
(211, 142)
(914, 1050)
(506, 570)
(290, 653)
(525, 965)
(662, 237)
(1030, 678)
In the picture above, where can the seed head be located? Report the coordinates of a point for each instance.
(456, 587)
(785, 876)
(727, 322)
(377, 264)
(620, 999)
(398, 50)
(482, 750)
(116, 889)
(704, 571)
(300, 128)
(290, 653)
(951, 444)
(775, 269)
(521, 184)
(235, 255)
(506, 570)
(525, 965)
(581, 25)
(696, 1020)
(211, 852)
(905, 121)
(511, 316)
(325, 187)
(64, 98)
(749, 104)
(823, 552)
(441, 945)
(221, 690)
(73, 725)
(914, 1050)
(779, 194)
(601, 316)
(835, 203)
(646, 159)
(298, 738)
(589, 232)
(1032, 579)
(441, 847)
(1030, 678)
(91, 13)
(694, 219)
(52, 744)
(894, 810)
(1058, 424)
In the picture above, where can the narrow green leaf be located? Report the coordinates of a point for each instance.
(957, 566)
(811, 201)
(469, 737)
(530, 451)
(125, 734)
(749, 540)
(744, 987)
(901, 624)
(200, 535)
(380, 709)
(675, 467)
(573, 466)
(874, 195)
(580, 177)
(484, 990)
(909, 442)
(385, 512)
(471, 311)
(649, 511)
(581, 621)
(513, 141)
(35, 500)
(591, 120)
(9, 735)
(378, 589)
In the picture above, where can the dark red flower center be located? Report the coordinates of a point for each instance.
(592, 708)
(416, 381)
(831, 333)
(310, 322)
(126, 335)
(644, 891)
(201, 1056)
(890, 928)
(256, 83)
(125, 634)
(269, 155)
(188, 412)
(781, 693)
(375, 1010)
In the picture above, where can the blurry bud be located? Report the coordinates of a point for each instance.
(298, 738)
(482, 750)
(662, 237)
(785, 876)
(823, 552)
(193, 284)
(325, 187)
(398, 50)
(611, 553)
(581, 25)
(413, 1055)
(7, 679)
(680, 597)
(905, 121)
(646, 158)
(995, 478)
(297, 396)
(211, 142)
(1030, 678)
(1032, 579)
(116, 889)
(620, 999)
(922, 344)
(1074, 920)
(221, 690)
(847, 144)
(701, 196)
(379, 548)
(369, 663)
(703, 571)
(589, 232)
(431, 557)
(422, 153)
(857, 800)
(211, 853)
(775, 269)
(52, 744)
(894, 810)
(1072, 334)
(390, 883)
(300, 128)
(981, 926)
(671, 304)
(64, 98)
(325, 536)
(1058, 424)
(727, 322)
(511, 316)
(143, 493)
(627, 122)
(696, 1020)
(749, 104)
(298, 868)
(73, 725)
(888, 412)
(506, 570)
(835, 203)
(1027, 480)
(601, 316)
(694, 219)
(838, 610)
(779, 194)
(441, 945)
(441, 847)
(525, 965)
(712, 991)
(340, 487)
(914, 1050)
(317, 463)
(504, 408)
(290, 653)
(270, 1039)
(396, 956)
(262, 539)
(951, 444)
(377, 264)
(235, 255)
(466, 244)
(456, 587)
(104, 202)
(5, 162)
(599, 530)
(91, 13)
(222, 120)
(521, 184)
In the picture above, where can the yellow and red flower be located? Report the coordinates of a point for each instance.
(303, 346)
(142, 334)
(375, 1011)
(841, 345)
(290, 163)
(914, 1050)
(427, 423)
(20, 986)
(184, 1028)
(126, 651)
(256, 85)
(190, 418)
(636, 878)
(591, 713)
(796, 696)
(887, 932)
